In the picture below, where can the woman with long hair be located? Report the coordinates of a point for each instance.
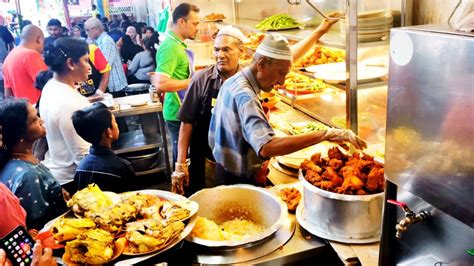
(39, 192)
(143, 62)
(68, 58)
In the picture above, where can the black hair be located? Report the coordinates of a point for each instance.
(150, 29)
(182, 11)
(56, 55)
(41, 79)
(150, 45)
(54, 22)
(94, 7)
(65, 31)
(91, 122)
(14, 122)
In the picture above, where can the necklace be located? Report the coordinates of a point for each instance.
(26, 157)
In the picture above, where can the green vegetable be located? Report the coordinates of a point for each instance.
(278, 22)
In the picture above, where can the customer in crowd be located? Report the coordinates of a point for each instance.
(40, 146)
(115, 23)
(22, 65)
(175, 66)
(240, 135)
(116, 34)
(143, 62)
(134, 35)
(117, 80)
(6, 45)
(149, 32)
(55, 31)
(129, 49)
(99, 75)
(68, 58)
(39, 192)
(96, 124)
(77, 32)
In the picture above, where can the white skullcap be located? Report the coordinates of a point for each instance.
(275, 46)
(233, 32)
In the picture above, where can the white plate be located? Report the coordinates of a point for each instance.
(336, 72)
(313, 229)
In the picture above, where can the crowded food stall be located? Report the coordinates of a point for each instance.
(273, 133)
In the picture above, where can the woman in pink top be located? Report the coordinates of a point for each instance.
(13, 214)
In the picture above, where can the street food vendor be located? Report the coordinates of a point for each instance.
(175, 66)
(240, 135)
(195, 112)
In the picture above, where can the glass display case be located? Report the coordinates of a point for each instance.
(354, 92)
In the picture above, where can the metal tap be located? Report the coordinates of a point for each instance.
(410, 217)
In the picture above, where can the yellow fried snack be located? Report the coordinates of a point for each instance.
(92, 247)
(88, 200)
(113, 218)
(173, 212)
(148, 235)
(67, 228)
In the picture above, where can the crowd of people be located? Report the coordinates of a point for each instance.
(52, 135)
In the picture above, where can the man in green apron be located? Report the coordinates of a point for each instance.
(174, 66)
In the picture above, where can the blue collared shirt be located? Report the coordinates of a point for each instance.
(102, 167)
(239, 127)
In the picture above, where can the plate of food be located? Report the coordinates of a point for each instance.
(131, 223)
(306, 127)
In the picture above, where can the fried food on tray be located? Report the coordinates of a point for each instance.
(88, 200)
(173, 212)
(92, 247)
(113, 218)
(320, 55)
(291, 196)
(68, 228)
(353, 175)
(214, 16)
(140, 200)
(301, 83)
(148, 235)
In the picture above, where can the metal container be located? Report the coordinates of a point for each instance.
(342, 217)
(143, 161)
(224, 203)
(135, 89)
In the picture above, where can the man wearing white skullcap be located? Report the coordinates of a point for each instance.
(240, 135)
(195, 111)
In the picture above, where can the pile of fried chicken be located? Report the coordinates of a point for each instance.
(353, 175)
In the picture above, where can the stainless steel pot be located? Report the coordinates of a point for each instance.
(143, 161)
(135, 89)
(342, 216)
(224, 203)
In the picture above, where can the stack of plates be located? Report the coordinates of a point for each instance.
(372, 26)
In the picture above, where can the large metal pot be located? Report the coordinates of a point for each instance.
(342, 216)
(224, 203)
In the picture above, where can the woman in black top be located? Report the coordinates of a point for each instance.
(129, 49)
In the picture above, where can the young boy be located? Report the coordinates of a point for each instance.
(97, 125)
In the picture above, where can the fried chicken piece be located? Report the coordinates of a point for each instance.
(361, 192)
(291, 196)
(375, 180)
(327, 185)
(332, 176)
(352, 183)
(310, 166)
(367, 157)
(316, 158)
(313, 177)
(335, 163)
(335, 153)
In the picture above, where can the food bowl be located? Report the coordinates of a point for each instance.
(224, 203)
(342, 216)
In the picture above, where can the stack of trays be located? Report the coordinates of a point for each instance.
(371, 26)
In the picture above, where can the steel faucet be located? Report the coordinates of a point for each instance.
(410, 217)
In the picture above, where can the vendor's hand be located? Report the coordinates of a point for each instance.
(183, 168)
(42, 257)
(344, 135)
(99, 92)
(177, 183)
(4, 261)
(327, 24)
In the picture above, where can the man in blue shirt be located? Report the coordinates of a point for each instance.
(240, 135)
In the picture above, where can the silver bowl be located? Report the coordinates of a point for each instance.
(224, 203)
(342, 216)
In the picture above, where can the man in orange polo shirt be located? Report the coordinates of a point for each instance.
(22, 65)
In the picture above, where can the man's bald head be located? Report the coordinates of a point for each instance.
(93, 28)
(33, 38)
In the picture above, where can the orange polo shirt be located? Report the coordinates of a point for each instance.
(19, 73)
